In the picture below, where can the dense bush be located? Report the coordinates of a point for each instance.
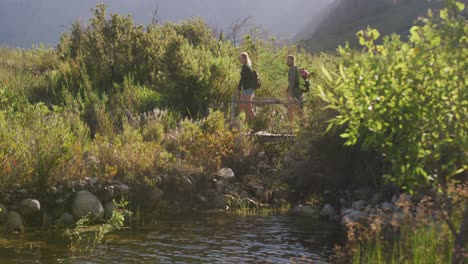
(409, 100)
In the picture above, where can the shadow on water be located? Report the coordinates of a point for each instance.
(203, 239)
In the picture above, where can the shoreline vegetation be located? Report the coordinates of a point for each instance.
(120, 122)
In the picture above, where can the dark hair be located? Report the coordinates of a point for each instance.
(291, 57)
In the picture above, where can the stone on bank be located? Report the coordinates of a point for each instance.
(86, 203)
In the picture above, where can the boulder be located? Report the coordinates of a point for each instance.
(328, 211)
(124, 189)
(108, 193)
(109, 208)
(387, 207)
(154, 197)
(86, 203)
(66, 219)
(226, 174)
(306, 210)
(6, 197)
(14, 221)
(52, 190)
(93, 180)
(3, 213)
(220, 187)
(353, 217)
(30, 206)
(185, 185)
(358, 205)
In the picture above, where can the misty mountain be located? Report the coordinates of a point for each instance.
(25, 22)
(346, 17)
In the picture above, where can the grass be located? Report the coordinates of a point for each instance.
(428, 243)
(249, 207)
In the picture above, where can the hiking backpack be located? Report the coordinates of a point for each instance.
(304, 80)
(256, 79)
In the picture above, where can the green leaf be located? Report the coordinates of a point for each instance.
(444, 14)
(327, 74)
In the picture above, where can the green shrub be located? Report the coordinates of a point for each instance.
(409, 100)
(33, 143)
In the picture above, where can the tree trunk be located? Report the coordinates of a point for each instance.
(461, 240)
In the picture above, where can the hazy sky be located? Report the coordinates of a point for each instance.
(24, 22)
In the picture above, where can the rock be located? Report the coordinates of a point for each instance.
(109, 208)
(306, 210)
(202, 198)
(185, 185)
(78, 186)
(6, 198)
(220, 187)
(155, 196)
(124, 190)
(221, 201)
(355, 216)
(23, 192)
(363, 193)
(259, 192)
(14, 221)
(404, 201)
(226, 174)
(263, 194)
(66, 219)
(108, 193)
(12, 207)
(3, 213)
(376, 198)
(342, 201)
(30, 206)
(387, 207)
(394, 198)
(328, 211)
(395, 220)
(53, 190)
(346, 211)
(93, 181)
(359, 205)
(86, 203)
(262, 157)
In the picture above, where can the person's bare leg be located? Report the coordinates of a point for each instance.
(249, 109)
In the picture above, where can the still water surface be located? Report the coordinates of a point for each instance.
(202, 239)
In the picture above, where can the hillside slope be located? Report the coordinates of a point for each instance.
(342, 22)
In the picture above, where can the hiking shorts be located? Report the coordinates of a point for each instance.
(249, 91)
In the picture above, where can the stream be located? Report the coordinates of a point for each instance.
(214, 238)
